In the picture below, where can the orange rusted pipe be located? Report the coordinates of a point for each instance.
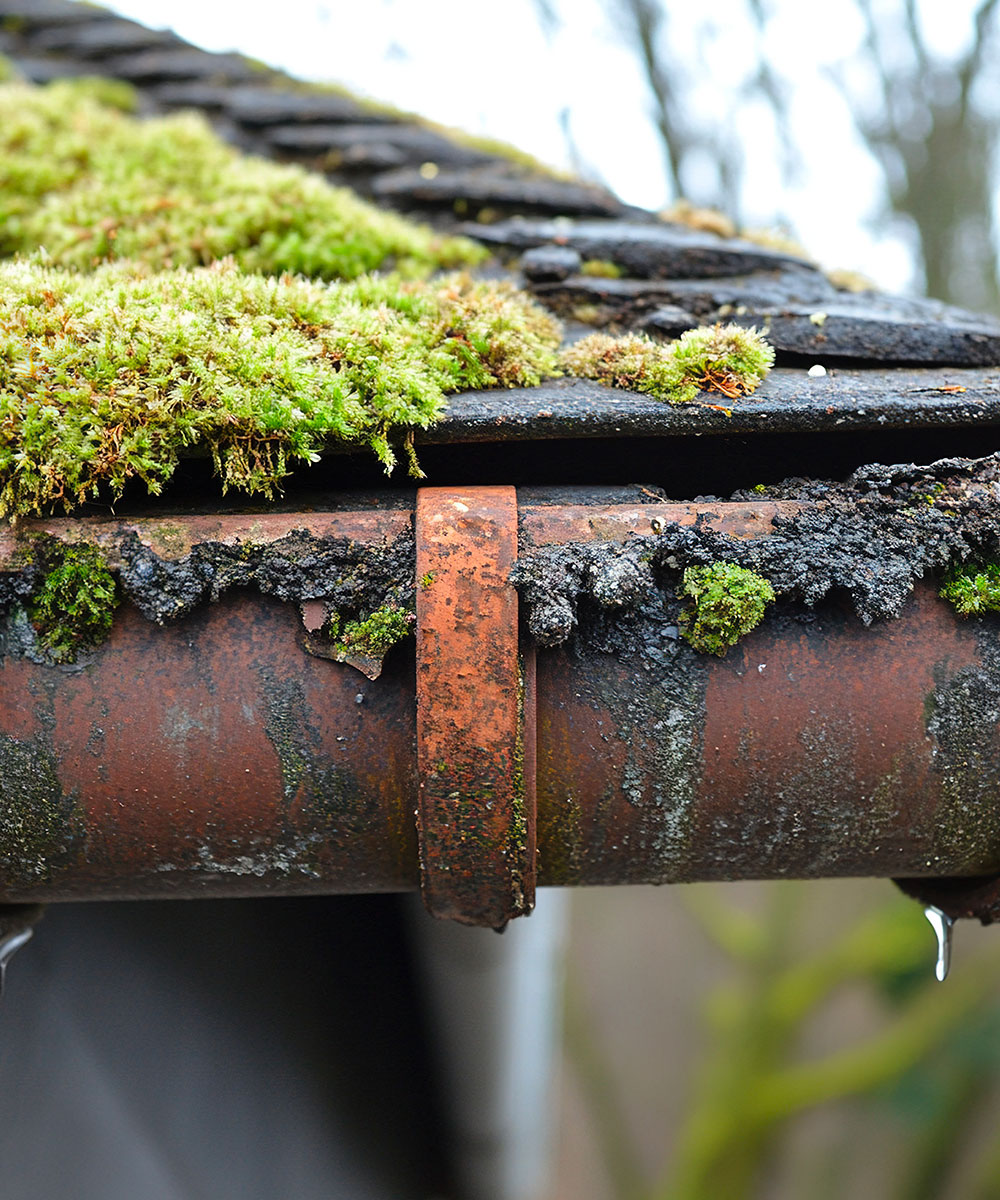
(215, 756)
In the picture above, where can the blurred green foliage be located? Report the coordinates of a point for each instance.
(926, 1069)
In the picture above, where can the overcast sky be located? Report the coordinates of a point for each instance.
(491, 69)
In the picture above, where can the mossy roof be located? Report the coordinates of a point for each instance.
(372, 148)
(892, 363)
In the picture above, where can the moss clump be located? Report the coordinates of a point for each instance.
(601, 268)
(74, 606)
(778, 240)
(723, 358)
(705, 220)
(632, 361)
(111, 93)
(973, 588)
(846, 280)
(728, 602)
(89, 184)
(112, 376)
(372, 636)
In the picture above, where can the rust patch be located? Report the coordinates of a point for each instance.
(818, 761)
(548, 524)
(475, 824)
(214, 758)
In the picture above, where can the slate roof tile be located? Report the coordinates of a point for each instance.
(673, 275)
(103, 38)
(177, 61)
(31, 15)
(266, 112)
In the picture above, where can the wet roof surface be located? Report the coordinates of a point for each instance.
(893, 363)
(787, 401)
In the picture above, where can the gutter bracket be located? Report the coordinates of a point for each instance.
(475, 701)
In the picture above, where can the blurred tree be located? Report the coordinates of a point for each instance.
(929, 119)
(933, 129)
(686, 137)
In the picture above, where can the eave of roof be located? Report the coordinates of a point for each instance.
(893, 363)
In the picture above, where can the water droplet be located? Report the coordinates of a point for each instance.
(9, 945)
(942, 924)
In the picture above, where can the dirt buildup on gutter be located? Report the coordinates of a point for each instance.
(349, 584)
(870, 537)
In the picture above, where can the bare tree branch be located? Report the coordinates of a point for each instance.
(645, 20)
(938, 155)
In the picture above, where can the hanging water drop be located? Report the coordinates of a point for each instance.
(8, 946)
(942, 925)
(17, 923)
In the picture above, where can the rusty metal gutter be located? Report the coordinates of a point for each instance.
(215, 756)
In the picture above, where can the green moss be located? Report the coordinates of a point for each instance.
(601, 268)
(705, 220)
(90, 184)
(728, 602)
(372, 636)
(75, 604)
(110, 377)
(778, 240)
(846, 280)
(724, 358)
(111, 93)
(973, 588)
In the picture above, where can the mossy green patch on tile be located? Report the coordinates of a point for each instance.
(89, 184)
(74, 606)
(601, 268)
(112, 376)
(372, 636)
(973, 588)
(728, 359)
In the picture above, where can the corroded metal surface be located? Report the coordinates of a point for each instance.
(808, 751)
(209, 757)
(977, 896)
(545, 525)
(476, 861)
(174, 537)
(213, 756)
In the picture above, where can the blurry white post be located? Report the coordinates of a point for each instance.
(495, 1003)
